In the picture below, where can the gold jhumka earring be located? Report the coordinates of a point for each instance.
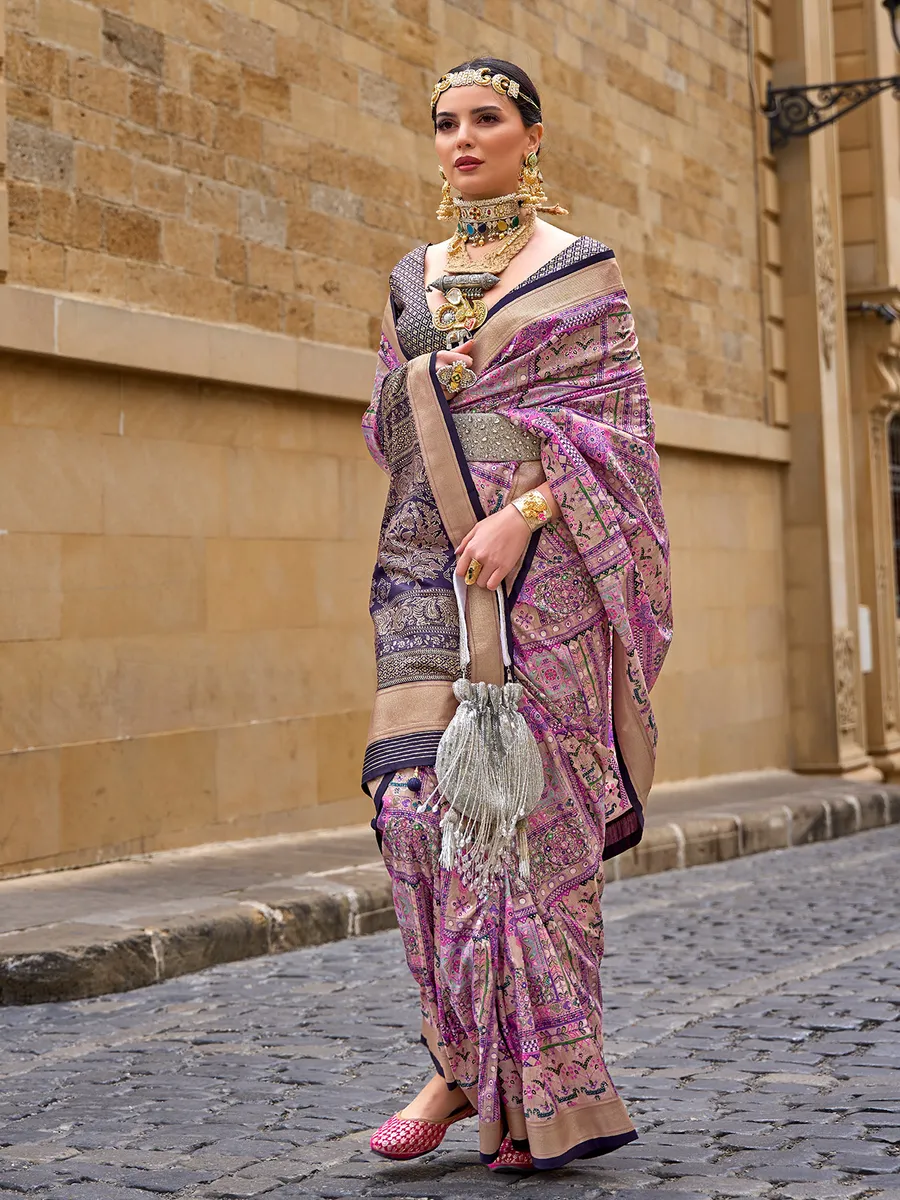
(446, 210)
(531, 188)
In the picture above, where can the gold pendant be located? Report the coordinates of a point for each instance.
(460, 312)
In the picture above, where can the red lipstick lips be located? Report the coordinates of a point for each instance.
(467, 161)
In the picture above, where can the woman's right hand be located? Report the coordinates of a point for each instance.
(463, 354)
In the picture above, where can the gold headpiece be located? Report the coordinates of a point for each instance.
(485, 77)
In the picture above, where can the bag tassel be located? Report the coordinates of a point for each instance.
(524, 858)
(488, 769)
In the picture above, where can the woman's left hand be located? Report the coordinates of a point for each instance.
(497, 542)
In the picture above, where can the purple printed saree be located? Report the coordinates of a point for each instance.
(510, 982)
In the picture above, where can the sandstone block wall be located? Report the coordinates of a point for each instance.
(721, 699)
(185, 652)
(263, 162)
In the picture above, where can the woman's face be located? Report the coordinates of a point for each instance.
(481, 141)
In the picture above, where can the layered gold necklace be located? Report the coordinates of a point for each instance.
(504, 221)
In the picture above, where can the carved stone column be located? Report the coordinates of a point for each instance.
(875, 376)
(827, 706)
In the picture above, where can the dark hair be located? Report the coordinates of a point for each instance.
(529, 108)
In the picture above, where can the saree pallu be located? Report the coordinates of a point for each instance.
(509, 982)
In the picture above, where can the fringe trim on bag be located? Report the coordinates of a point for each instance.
(489, 770)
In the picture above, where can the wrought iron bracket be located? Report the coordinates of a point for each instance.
(800, 111)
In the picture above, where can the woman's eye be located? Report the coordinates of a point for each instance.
(491, 117)
(443, 125)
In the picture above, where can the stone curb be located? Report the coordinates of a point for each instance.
(126, 959)
(717, 837)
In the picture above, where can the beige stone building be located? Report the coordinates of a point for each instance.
(199, 206)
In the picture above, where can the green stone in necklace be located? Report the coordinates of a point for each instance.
(482, 221)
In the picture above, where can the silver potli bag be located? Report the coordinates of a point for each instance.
(488, 768)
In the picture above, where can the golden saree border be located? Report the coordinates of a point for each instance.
(589, 1128)
(438, 452)
(435, 433)
(580, 284)
(631, 733)
(405, 708)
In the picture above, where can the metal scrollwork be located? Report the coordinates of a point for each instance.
(800, 111)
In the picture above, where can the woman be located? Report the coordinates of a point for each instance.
(510, 412)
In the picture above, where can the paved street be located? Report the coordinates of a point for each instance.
(752, 1012)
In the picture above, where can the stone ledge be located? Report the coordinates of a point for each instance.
(73, 961)
(684, 429)
(83, 330)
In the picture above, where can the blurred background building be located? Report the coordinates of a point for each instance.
(200, 204)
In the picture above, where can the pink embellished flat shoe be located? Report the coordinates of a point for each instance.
(410, 1137)
(510, 1159)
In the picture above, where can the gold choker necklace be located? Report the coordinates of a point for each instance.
(480, 221)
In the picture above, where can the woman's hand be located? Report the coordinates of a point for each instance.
(497, 542)
(463, 354)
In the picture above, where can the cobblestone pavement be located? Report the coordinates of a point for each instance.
(752, 1011)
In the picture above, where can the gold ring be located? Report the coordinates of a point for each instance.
(473, 571)
(455, 376)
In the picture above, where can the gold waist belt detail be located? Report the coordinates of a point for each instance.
(488, 437)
